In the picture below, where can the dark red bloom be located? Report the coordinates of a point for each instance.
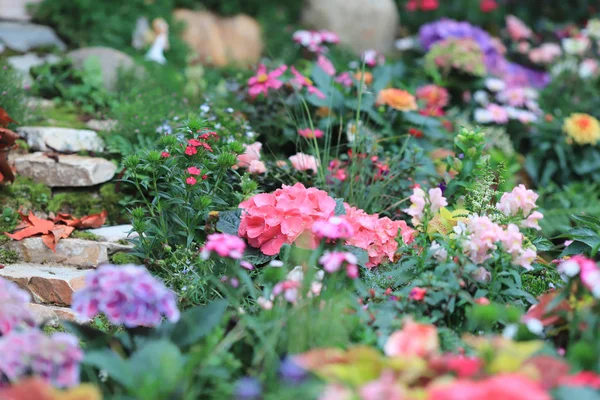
(415, 132)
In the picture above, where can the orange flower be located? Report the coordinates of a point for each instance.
(36, 388)
(414, 339)
(366, 76)
(398, 99)
(582, 128)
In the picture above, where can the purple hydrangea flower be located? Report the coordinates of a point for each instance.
(127, 295)
(33, 353)
(495, 62)
(14, 310)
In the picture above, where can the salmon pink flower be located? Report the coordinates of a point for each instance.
(434, 96)
(190, 150)
(263, 81)
(310, 133)
(336, 227)
(517, 29)
(194, 142)
(299, 81)
(414, 339)
(252, 153)
(190, 180)
(417, 293)
(304, 162)
(257, 167)
(224, 245)
(194, 171)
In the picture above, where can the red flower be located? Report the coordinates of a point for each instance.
(488, 5)
(482, 301)
(164, 154)
(429, 5)
(194, 142)
(206, 146)
(204, 177)
(583, 378)
(190, 180)
(208, 135)
(415, 132)
(193, 171)
(448, 125)
(190, 150)
(418, 294)
(411, 5)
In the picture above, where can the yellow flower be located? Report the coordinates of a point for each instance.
(398, 99)
(582, 128)
(445, 220)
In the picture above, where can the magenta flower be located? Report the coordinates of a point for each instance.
(310, 133)
(224, 245)
(54, 358)
(332, 261)
(333, 228)
(344, 79)
(263, 81)
(13, 307)
(127, 295)
(325, 65)
(300, 81)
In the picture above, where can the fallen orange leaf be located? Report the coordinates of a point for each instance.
(35, 226)
(93, 221)
(59, 232)
(5, 119)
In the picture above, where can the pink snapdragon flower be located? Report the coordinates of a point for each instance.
(419, 200)
(326, 65)
(224, 245)
(310, 133)
(285, 216)
(376, 235)
(127, 295)
(484, 234)
(517, 29)
(54, 358)
(14, 310)
(332, 261)
(336, 227)
(304, 162)
(263, 81)
(252, 153)
(519, 200)
(299, 81)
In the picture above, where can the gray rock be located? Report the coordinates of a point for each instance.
(360, 24)
(103, 125)
(110, 61)
(38, 103)
(24, 63)
(23, 37)
(69, 171)
(16, 9)
(65, 140)
(114, 233)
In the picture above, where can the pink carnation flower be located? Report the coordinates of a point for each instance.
(332, 261)
(336, 227)
(252, 153)
(224, 245)
(304, 162)
(14, 310)
(285, 216)
(310, 133)
(263, 81)
(376, 235)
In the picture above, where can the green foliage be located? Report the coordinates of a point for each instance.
(84, 235)
(26, 194)
(13, 94)
(80, 203)
(123, 258)
(8, 256)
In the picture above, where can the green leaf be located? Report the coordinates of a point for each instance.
(339, 207)
(362, 257)
(229, 221)
(256, 257)
(115, 366)
(196, 323)
(542, 244)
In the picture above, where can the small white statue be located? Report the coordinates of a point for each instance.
(142, 35)
(161, 41)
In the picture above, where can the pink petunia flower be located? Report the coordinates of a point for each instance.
(263, 81)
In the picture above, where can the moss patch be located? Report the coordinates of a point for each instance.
(85, 235)
(122, 258)
(65, 117)
(26, 194)
(82, 202)
(8, 256)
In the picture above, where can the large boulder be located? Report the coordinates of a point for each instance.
(221, 41)
(63, 140)
(23, 37)
(110, 61)
(16, 9)
(360, 24)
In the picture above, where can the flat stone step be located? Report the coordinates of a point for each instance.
(51, 315)
(72, 252)
(114, 233)
(69, 171)
(64, 140)
(48, 284)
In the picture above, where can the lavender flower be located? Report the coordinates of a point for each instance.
(127, 295)
(54, 358)
(291, 372)
(13, 307)
(248, 388)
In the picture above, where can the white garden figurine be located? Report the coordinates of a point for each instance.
(161, 41)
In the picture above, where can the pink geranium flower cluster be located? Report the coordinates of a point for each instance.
(285, 216)
(376, 235)
(54, 358)
(14, 310)
(224, 245)
(434, 199)
(483, 236)
(332, 261)
(315, 41)
(521, 202)
(127, 295)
